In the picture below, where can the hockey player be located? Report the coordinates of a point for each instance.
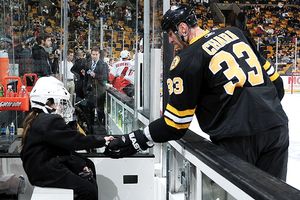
(127, 83)
(220, 79)
(119, 70)
(49, 143)
(240, 22)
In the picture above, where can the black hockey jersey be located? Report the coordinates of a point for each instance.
(221, 80)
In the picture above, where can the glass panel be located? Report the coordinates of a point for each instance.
(128, 120)
(212, 190)
(50, 38)
(119, 119)
(108, 104)
(113, 109)
(156, 16)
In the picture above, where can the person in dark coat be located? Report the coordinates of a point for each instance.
(49, 143)
(96, 78)
(41, 56)
(79, 69)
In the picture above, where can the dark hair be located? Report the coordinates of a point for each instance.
(42, 37)
(28, 122)
(70, 51)
(95, 49)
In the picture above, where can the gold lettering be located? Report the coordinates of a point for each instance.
(226, 37)
(220, 40)
(213, 45)
(233, 36)
(206, 47)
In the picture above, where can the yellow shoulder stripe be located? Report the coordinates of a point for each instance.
(199, 36)
(274, 76)
(180, 113)
(174, 125)
(267, 65)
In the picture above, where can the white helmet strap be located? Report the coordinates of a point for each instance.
(44, 108)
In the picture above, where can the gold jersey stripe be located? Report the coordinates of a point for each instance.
(174, 125)
(274, 76)
(198, 37)
(183, 113)
(267, 65)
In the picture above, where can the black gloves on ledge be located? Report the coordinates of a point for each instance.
(128, 144)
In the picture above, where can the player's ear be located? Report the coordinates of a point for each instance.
(182, 28)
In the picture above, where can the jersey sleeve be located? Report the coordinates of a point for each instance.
(184, 85)
(113, 70)
(273, 75)
(269, 68)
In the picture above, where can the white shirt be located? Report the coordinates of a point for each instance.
(70, 75)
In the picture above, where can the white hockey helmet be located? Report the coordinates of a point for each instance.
(125, 54)
(51, 89)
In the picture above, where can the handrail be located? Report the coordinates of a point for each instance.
(253, 181)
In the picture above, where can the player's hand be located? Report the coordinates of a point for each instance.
(108, 139)
(128, 144)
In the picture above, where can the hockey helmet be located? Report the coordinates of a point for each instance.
(50, 89)
(124, 54)
(177, 14)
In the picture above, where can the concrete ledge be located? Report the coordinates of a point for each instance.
(45, 193)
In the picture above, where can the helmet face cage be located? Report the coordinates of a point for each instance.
(64, 108)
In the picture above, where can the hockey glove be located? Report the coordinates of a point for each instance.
(128, 144)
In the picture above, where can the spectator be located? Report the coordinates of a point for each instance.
(78, 70)
(26, 64)
(128, 15)
(41, 56)
(69, 74)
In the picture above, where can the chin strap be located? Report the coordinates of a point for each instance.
(43, 107)
(48, 109)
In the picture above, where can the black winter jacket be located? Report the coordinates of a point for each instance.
(49, 142)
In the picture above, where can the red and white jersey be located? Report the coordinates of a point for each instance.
(130, 75)
(119, 68)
